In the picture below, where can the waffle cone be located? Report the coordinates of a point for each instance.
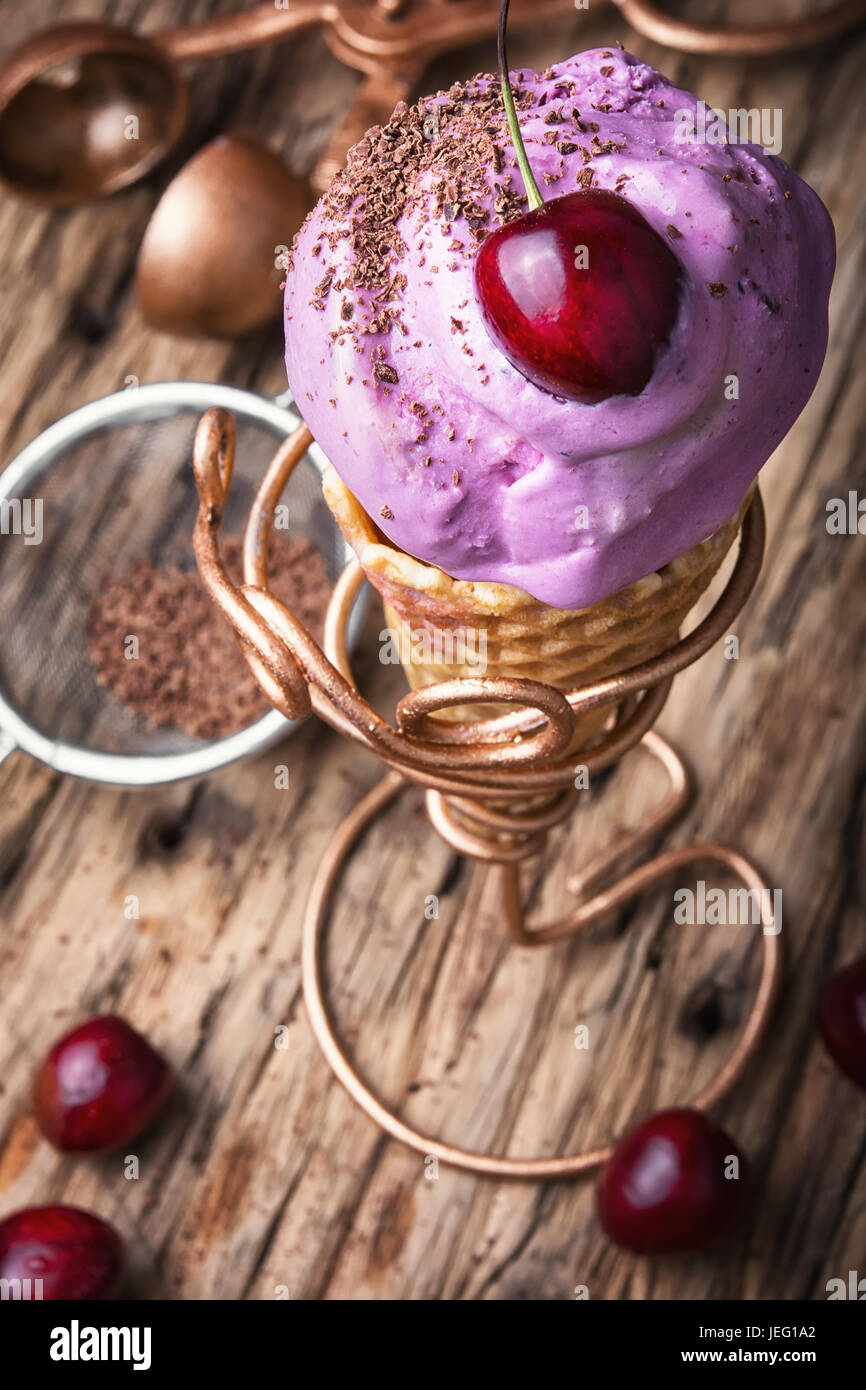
(436, 622)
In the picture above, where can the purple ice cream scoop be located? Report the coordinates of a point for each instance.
(459, 459)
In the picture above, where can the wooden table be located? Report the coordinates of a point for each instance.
(263, 1177)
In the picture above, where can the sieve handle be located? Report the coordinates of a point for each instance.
(7, 745)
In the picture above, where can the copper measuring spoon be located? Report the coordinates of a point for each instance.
(88, 108)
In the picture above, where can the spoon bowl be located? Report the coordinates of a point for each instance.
(86, 109)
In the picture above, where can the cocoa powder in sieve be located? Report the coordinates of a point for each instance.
(188, 673)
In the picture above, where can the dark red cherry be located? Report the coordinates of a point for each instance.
(74, 1254)
(665, 1186)
(842, 1019)
(581, 295)
(99, 1086)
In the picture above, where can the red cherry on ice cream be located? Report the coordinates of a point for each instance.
(99, 1086)
(668, 1185)
(842, 1018)
(72, 1253)
(580, 294)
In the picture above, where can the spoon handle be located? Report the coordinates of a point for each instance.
(233, 33)
(758, 40)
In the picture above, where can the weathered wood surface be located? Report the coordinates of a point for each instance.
(263, 1173)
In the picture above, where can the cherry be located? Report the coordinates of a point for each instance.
(580, 294)
(842, 1020)
(664, 1188)
(99, 1086)
(73, 1253)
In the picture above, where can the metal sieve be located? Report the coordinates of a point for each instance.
(109, 482)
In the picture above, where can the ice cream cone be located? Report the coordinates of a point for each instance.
(441, 628)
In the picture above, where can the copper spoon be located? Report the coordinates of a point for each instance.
(86, 108)
(89, 108)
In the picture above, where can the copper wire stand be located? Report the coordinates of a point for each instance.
(494, 787)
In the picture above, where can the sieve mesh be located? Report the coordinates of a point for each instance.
(121, 493)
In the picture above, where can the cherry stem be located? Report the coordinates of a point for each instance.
(533, 196)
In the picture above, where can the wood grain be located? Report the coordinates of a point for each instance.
(262, 1173)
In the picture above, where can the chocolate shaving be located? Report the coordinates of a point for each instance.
(383, 371)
